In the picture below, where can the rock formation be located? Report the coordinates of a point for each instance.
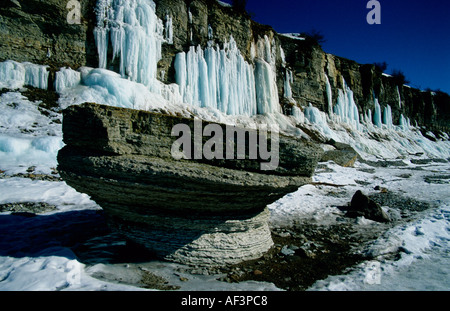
(203, 212)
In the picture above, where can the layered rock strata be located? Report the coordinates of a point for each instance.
(200, 212)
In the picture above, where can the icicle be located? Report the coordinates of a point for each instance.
(317, 117)
(169, 29)
(346, 107)
(210, 33)
(136, 35)
(190, 16)
(368, 117)
(12, 75)
(283, 57)
(405, 123)
(16, 75)
(377, 114)
(287, 86)
(217, 78)
(329, 96)
(265, 77)
(399, 98)
(387, 117)
(298, 114)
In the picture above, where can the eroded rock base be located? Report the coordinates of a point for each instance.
(195, 239)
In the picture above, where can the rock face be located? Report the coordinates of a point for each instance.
(38, 32)
(203, 212)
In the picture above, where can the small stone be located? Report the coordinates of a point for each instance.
(257, 272)
(183, 279)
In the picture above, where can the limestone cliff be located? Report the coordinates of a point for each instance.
(38, 32)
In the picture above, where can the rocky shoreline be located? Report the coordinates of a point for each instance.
(303, 252)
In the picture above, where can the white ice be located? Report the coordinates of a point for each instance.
(14, 75)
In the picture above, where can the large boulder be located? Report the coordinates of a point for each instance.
(210, 212)
(341, 154)
(362, 205)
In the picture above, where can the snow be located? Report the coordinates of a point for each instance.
(296, 36)
(224, 4)
(214, 84)
(424, 261)
(27, 136)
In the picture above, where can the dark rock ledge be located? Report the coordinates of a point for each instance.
(199, 212)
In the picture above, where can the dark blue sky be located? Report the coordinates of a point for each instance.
(414, 36)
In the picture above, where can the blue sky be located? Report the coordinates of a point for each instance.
(414, 36)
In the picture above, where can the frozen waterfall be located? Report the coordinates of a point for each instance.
(15, 75)
(223, 79)
(136, 35)
(346, 107)
(217, 78)
(266, 76)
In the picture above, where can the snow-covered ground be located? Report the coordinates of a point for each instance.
(42, 252)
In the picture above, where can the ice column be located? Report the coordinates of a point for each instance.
(329, 96)
(217, 78)
(16, 75)
(136, 35)
(169, 29)
(36, 75)
(346, 107)
(265, 77)
(287, 86)
(387, 117)
(399, 98)
(12, 74)
(377, 113)
(405, 123)
(66, 78)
